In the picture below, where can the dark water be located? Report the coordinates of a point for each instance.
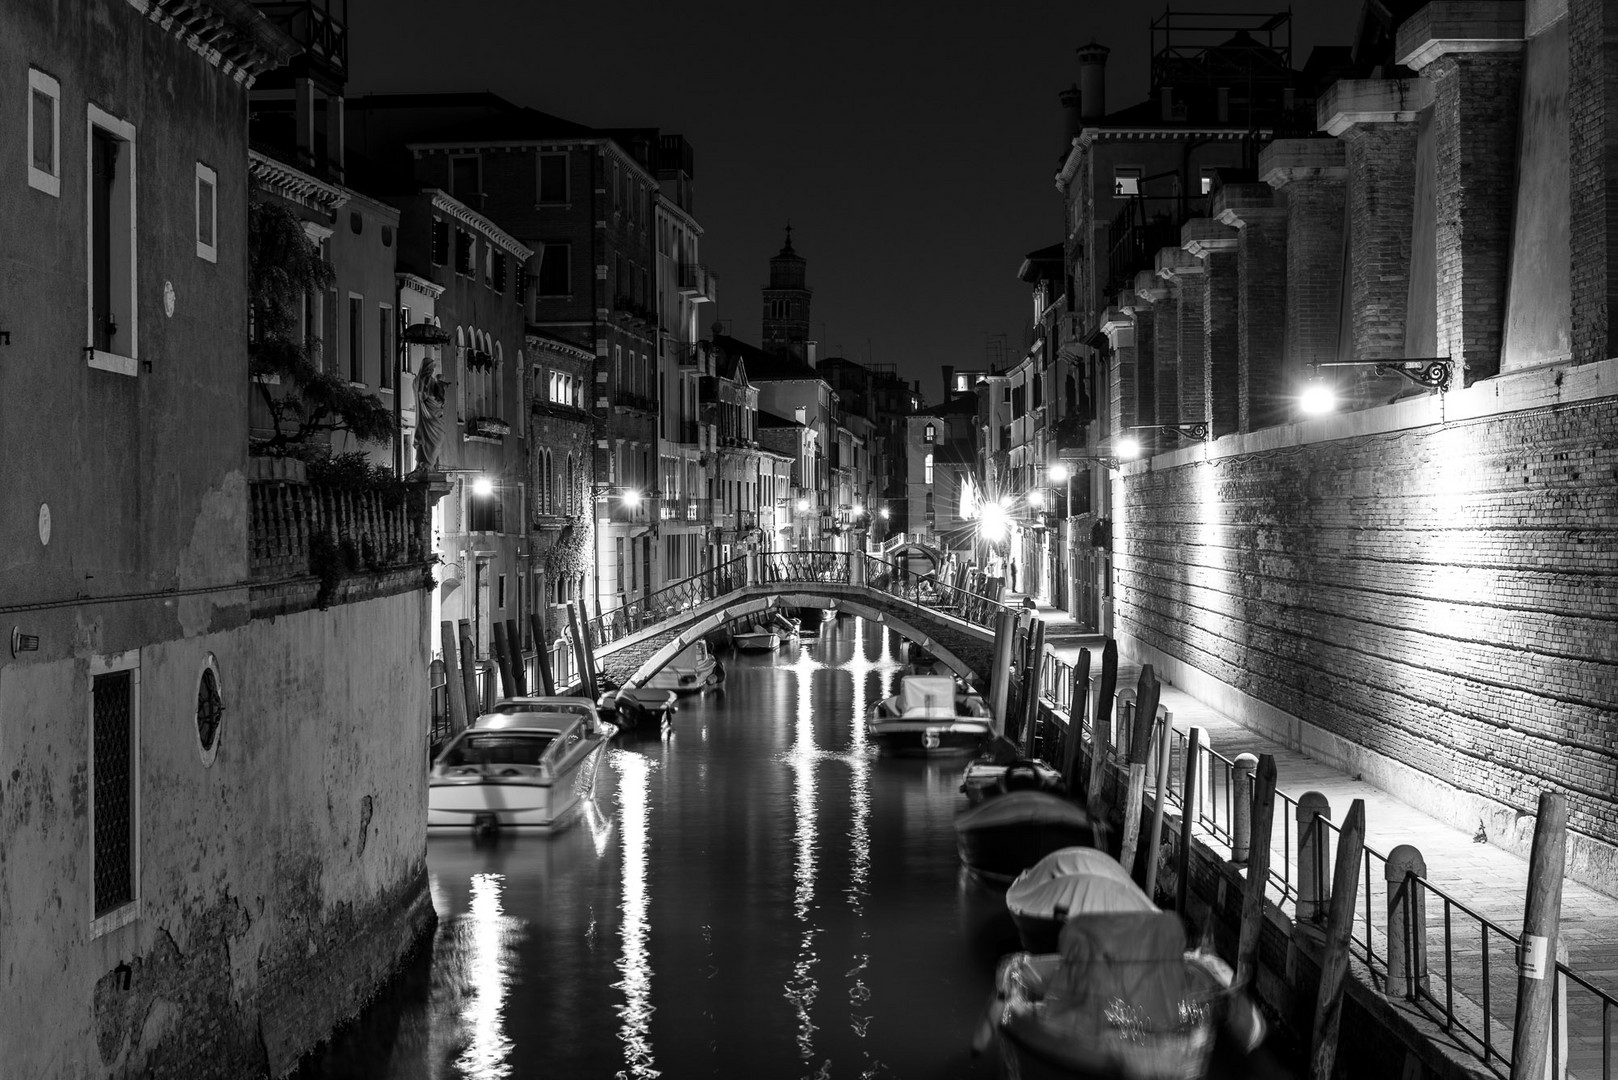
(758, 895)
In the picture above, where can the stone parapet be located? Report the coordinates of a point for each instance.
(1287, 160)
(1349, 103)
(1201, 237)
(1452, 27)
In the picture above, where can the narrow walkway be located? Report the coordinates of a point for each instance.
(1489, 880)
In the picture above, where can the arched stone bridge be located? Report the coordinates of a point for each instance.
(964, 646)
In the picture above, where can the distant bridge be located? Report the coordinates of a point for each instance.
(952, 620)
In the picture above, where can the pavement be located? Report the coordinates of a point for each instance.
(1487, 879)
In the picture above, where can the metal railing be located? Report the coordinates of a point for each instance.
(972, 597)
(666, 602)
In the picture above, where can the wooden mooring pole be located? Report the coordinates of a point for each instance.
(1005, 626)
(502, 658)
(587, 678)
(469, 673)
(1154, 842)
(454, 688)
(1258, 871)
(519, 670)
(1148, 691)
(1032, 671)
(542, 657)
(1188, 817)
(1345, 885)
(1077, 713)
(1099, 730)
(1541, 921)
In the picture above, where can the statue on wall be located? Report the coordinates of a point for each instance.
(429, 413)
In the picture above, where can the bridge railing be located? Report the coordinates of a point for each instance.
(975, 599)
(667, 602)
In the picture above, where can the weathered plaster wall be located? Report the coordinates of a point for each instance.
(278, 885)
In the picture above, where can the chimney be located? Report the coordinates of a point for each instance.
(1093, 80)
(949, 380)
(1072, 116)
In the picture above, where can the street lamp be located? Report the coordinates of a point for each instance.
(482, 486)
(631, 498)
(803, 506)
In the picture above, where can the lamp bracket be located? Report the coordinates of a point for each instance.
(1432, 372)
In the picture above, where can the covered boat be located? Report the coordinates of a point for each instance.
(1121, 998)
(1001, 837)
(695, 670)
(986, 779)
(525, 767)
(1068, 882)
(929, 715)
(642, 711)
(756, 637)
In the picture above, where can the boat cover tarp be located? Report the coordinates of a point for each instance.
(1076, 881)
(927, 697)
(1022, 808)
(1129, 964)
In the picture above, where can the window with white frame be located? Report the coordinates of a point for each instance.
(44, 133)
(356, 338)
(114, 790)
(927, 470)
(110, 241)
(929, 434)
(207, 213)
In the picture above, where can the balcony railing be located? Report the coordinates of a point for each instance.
(698, 282)
(1134, 238)
(690, 511)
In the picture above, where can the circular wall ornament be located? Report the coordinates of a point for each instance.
(44, 523)
(210, 710)
(168, 298)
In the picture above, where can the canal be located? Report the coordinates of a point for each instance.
(757, 895)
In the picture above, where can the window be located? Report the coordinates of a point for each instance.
(115, 788)
(553, 178)
(927, 470)
(1126, 182)
(210, 710)
(488, 266)
(356, 338)
(929, 434)
(44, 133)
(500, 591)
(111, 242)
(465, 177)
(207, 213)
(483, 512)
(567, 492)
(1207, 181)
(463, 252)
(440, 243)
(499, 285)
(555, 271)
(384, 346)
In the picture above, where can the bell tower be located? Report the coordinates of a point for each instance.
(786, 304)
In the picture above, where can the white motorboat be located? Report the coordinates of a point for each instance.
(696, 669)
(756, 638)
(525, 765)
(930, 715)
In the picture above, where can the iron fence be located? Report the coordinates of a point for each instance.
(666, 602)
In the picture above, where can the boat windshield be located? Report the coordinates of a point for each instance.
(498, 748)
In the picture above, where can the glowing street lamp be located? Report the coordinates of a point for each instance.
(631, 498)
(1128, 448)
(992, 522)
(1317, 397)
(482, 486)
(1058, 472)
(1036, 499)
(803, 506)
(886, 513)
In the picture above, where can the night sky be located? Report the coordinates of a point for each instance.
(913, 147)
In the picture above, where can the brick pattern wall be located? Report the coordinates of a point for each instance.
(1592, 116)
(1314, 269)
(1125, 401)
(1475, 106)
(1381, 200)
(1192, 358)
(1443, 596)
(1220, 347)
(1261, 261)
(1145, 366)
(1166, 356)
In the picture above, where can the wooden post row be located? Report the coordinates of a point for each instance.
(1339, 927)
(502, 658)
(519, 669)
(454, 689)
(1099, 730)
(1258, 871)
(1154, 846)
(542, 646)
(469, 675)
(1077, 713)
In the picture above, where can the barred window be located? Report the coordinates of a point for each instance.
(113, 809)
(440, 243)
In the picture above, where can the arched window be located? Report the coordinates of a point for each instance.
(930, 434)
(569, 494)
(927, 470)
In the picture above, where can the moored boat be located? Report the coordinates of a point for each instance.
(640, 711)
(696, 669)
(930, 715)
(756, 638)
(1121, 998)
(1069, 882)
(986, 779)
(525, 765)
(1002, 836)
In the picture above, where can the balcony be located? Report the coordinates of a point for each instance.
(626, 400)
(487, 427)
(698, 283)
(320, 26)
(687, 511)
(1133, 240)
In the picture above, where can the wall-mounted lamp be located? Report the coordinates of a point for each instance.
(1197, 431)
(631, 497)
(1432, 372)
(482, 486)
(21, 642)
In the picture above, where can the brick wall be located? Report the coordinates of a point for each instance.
(1261, 261)
(1220, 302)
(1592, 116)
(1166, 355)
(1444, 596)
(1145, 366)
(1314, 267)
(1475, 157)
(1381, 195)
(1192, 364)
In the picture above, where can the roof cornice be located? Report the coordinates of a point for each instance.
(447, 204)
(417, 283)
(295, 185)
(231, 35)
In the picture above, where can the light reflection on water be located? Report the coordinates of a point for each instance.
(634, 964)
(802, 989)
(487, 930)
